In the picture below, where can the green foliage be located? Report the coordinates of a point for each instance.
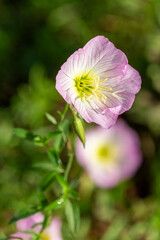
(36, 37)
(26, 213)
(51, 118)
(73, 215)
(78, 124)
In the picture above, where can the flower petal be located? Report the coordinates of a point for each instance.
(124, 89)
(106, 120)
(63, 82)
(76, 64)
(104, 58)
(122, 163)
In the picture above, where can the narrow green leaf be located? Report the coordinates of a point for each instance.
(47, 166)
(58, 203)
(47, 220)
(51, 118)
(51, 135)
(59, 143)
(25, 134)
(72, 215)
(42, 197)
(39, 140)
(43, 165)
(62, 182)
(60, 140)
(53, 156)
(68, 167)
(78, 125)
(55, 160)
(25, 213)
(73, 194)
(47, 181)
(31, 232)
(36, 224)
(12, 237)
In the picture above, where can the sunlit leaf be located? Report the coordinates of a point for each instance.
(51, 135)
(62, 182)
(51, 118)
(47, 166)
(58, 203)
(73, 215)
(25, 134)
(78, 125)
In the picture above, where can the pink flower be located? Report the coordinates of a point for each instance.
(99, 82)
(52, 232)
(111, 155)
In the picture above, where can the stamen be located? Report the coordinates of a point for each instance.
(88, 86)
(105, 79)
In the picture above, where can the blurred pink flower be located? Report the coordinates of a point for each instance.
(111, 155)
(52, 232)
(99, 82)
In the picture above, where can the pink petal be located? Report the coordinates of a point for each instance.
(126, 88)
(21, 235)
(54, 230)
(104, 59)
(106, 120)
(63, 83)
(27, 223)
(126, 161)
(116, 83)
(75, 65)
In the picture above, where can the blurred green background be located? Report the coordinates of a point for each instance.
(36, 38)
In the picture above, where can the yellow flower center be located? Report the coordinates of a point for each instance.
(84, 86)
(88, 85)
(107, 153)
(45, 236)
(104, 153)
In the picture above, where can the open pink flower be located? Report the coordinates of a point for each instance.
(52, 232)
(99, 82)
(110, 155)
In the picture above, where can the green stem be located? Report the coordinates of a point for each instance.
(69, 165)
(64, 111)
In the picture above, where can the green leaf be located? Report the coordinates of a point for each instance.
(47, 166)
(51, 118)
(114, 231)
(25, 213)
(51, 135)
(31, 232)
(58, 203)
(39, 141)
(25, 134)
(12, 237)
(69, 165)
(63, 183)
(47, 181)
(78, 125)
(72, 215)
(60, 140)
(53, 157)
(41, 197)
(47, 220)
(73, 194)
